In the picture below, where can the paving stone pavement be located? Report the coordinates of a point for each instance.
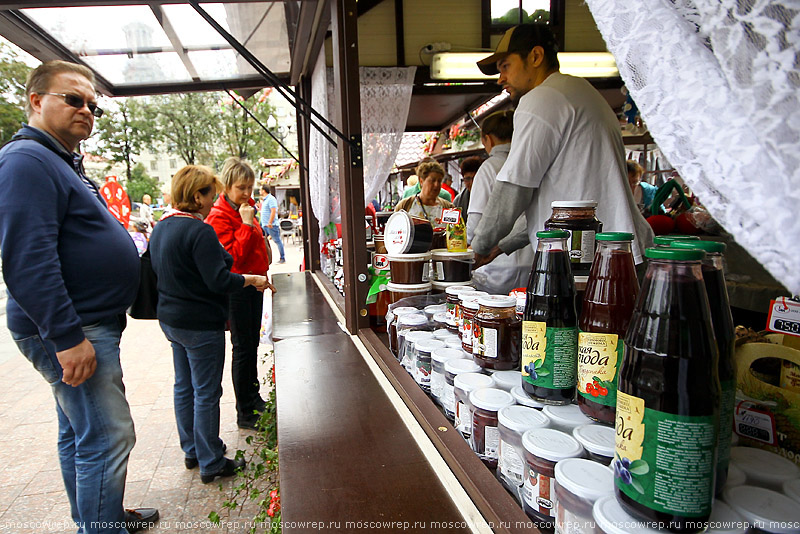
(32, 496)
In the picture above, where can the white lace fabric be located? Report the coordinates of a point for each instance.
(385, 101)
(717, 82)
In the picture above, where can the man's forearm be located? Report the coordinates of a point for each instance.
(517, 239)
(505, 205)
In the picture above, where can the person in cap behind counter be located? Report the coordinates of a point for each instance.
(567, 146)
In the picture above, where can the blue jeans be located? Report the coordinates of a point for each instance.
(198, 356)
(275, 233)
(95, 428)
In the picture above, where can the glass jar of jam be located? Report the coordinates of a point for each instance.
(579, 484)
(668, 397)
(496, 333)
(392, 320)
(767, 511)
(507, 380)
(486, 402)
(422, 369)
(469, 307)
(610, 518)
(722, 320)
(544, 447)
(438, 358)
(550, 324)
(607, 308)
(597, 441)
(463, 385)
(512, 422)
(579, 218)
(409, 361)
(452, 293)
(434, 309)
(440, 320)
(408, 322)
(519, 294)
(473, 297)
(453, 342)
(764, 468)
(565, 417)
(523, 399)
(441, 334)
(453, 368)
(724, 520)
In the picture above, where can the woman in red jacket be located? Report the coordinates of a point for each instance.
(233, 218)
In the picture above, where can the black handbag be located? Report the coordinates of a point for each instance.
(146, 302)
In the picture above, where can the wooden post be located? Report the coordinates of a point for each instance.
(310, 224)
(344, 26)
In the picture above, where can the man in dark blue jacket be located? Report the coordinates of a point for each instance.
(71, 271)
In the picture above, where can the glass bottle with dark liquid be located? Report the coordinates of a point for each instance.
(607, 308)
(668, 398)
(550, 324)
(724, 332)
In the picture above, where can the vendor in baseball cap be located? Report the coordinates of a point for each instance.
(521, 40)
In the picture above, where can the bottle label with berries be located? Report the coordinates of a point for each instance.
(549, 355)
(599, 356)
(664, 461)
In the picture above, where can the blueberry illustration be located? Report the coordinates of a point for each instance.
(626, 477)
(621, 470)
(626, 463)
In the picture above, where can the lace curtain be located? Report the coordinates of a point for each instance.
(385, 101)
(717, 82)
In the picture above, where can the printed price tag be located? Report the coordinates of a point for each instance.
(784, 316)
(753, 422)
(451, 216)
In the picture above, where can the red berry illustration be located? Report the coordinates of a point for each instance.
(594, 392)
(589, 387)
(603, 392)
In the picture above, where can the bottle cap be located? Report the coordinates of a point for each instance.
(552, 234)
(676, 254)
(708, 246)
(614, 236)
(667, 239)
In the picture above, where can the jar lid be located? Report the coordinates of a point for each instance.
(441, 334)
(440, 317)
(443, 354)
(428, 345)
(507, 380)
(462, 365)
(765, 509)
(433, 309)
(585, 479)
(764, 468)
(725, 520)
(522, 397)
(498, 301)
(522, 418)
(403, 310)
(566, 415)
(736, 476)
(415, 336)
(491, 399)
(422, 256)
(614, 236)
(573, 204)
(791, 488)
(443, 253)
(552, 234)
(667, 239)
(456, 287)
(612, 519)
(708, 246)
(442, 286)
(413, 319)
(408, 288)
(398, 233)
(597, 439)
(551, 444)
(470, 381)
(453, 343)
(472, 295)
(471, 304)
(676, 254)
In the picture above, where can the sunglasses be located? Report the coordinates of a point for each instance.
(77, 102)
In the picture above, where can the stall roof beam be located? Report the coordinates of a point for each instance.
(308, 39)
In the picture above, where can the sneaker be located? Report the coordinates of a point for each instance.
(281, 260)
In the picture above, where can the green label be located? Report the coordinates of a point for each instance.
(728, 399)
(599, 356)
(665, 461)
(549, 355)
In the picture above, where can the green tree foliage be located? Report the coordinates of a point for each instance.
(140, 184)
(123, 133)
(185, 124)
(12, 88)
(242, 135)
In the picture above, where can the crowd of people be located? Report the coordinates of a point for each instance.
(72, 271)
(561, 142)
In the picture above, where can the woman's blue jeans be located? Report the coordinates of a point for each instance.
(198, 357)
(95, 428)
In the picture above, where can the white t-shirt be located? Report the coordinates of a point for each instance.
(506, 272)
(567, 144)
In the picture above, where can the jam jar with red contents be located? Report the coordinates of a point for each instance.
(463, 385)
(544, 447)
(579, 218)
(469, 307)
(422, 368)
(579, 484)
(513, 422)
(453, 368)
(485, 439)
(393, 319)
(496, 332)
(463, 298)
(453, 293)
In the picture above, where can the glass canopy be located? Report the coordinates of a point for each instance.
(163, 43)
